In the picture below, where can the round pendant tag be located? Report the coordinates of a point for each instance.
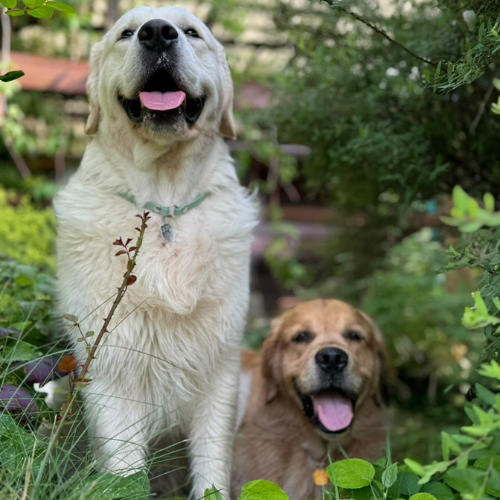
(168, 232)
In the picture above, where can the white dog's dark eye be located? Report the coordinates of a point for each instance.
(303, 337)
(192, 32)
(353, 335)
(126, 34)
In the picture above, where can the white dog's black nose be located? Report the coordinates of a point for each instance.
(157, 35)
(331, 359)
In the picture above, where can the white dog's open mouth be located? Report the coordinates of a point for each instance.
(162, 100)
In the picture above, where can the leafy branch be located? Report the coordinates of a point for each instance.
(41, 9)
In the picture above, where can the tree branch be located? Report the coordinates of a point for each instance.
(378, 30)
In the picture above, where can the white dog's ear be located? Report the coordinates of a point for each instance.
(93, 88)
(227, 127)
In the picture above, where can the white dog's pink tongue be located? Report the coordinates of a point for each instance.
(334, 411)
(162, 101)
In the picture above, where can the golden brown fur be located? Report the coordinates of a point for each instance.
(275, 440)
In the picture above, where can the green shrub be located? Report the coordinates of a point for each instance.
(26, 233)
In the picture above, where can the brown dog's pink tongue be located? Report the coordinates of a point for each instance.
(162, 101)
(334, 411)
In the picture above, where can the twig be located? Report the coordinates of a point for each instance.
(380, 31)
(482, 106)
(128, 279)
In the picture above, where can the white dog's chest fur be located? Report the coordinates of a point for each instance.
(186, 311)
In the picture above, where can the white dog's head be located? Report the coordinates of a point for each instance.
(163, 73)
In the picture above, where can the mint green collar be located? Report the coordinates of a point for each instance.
(171, 211)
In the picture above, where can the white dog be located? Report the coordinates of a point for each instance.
(161, 99)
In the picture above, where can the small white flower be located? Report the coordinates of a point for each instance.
(470, 18)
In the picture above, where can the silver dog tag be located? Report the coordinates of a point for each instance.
(168, 232)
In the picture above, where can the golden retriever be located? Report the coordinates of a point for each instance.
(314, 392)
(161, 101)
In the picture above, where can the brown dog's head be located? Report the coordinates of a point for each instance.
(327, 357)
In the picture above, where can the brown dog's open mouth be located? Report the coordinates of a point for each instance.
(162, 99)
(331, 410)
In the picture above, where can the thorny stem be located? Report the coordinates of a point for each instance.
(118, 299)
(378, 30)
(80, 381)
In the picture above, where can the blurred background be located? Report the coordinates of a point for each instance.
(355, 120)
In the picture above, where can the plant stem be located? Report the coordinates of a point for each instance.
(116, 302)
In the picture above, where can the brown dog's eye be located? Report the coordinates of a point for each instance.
(353, 335)
(302, 337)
(126, 34)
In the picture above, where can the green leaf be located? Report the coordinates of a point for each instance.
(471, 226)
(448, 444)
(41, 12)
(460, 198)
(415, 467)
(33, 3)
(484, 462)
(262, 490)
(15, 13)
(489, 202)
(23, 281)
(21, 325)
(423, 496)
(464, 480)
(439, 490)
(8, 4)
(493, 484)
(390, 475)
(485, 394)
(19, 351)
(63, 7)
(352, 473)
(11, 75)
(491, 370)
(213, 494)
(408, 483)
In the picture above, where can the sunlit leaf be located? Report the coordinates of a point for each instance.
(41, 12)
(63, 7)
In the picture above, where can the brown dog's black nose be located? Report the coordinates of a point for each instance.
(157, 35)
(331, 359)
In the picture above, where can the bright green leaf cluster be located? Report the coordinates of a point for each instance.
(468, 216)
(41, 9)
(478, 316)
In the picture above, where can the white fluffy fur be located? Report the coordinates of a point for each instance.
(171, 360)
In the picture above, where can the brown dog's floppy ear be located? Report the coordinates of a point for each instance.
(271, 361)
(93, 88)
(227, 127)
(381, 352)
(380, 348)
